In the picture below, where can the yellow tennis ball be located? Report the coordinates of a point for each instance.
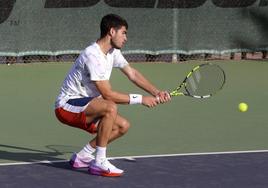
(243, 107)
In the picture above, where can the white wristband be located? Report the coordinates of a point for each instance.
(135, 99)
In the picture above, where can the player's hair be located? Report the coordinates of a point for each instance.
(111, 21)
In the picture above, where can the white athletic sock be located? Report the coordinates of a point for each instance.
(87, 151)
(100, 154)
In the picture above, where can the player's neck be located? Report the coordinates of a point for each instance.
(105, 45)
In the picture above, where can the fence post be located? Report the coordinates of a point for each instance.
(175, 36)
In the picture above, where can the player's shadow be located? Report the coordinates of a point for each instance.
(50, 158)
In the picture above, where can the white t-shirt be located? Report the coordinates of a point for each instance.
(91, 65)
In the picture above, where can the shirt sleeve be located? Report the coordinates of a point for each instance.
(119, 60)
(96, 68)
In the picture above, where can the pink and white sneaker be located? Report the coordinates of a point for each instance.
(104, 168)
(78, 162)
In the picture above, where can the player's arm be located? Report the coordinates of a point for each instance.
(137, 78)
(107, 93)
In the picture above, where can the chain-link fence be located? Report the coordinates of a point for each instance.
(169, 58)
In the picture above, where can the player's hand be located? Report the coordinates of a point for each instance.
(149, 101)
(163, 97)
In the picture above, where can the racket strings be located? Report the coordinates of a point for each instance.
(206, 80)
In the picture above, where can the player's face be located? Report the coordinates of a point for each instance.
(118, 37)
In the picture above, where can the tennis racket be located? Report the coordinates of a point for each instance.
(203, 81)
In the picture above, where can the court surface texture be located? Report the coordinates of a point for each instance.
(185, 143)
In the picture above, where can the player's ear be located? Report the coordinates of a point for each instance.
(112, 31)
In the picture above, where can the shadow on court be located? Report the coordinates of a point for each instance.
(247, 170)
(23, 154)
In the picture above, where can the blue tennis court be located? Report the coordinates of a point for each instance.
(230, 170)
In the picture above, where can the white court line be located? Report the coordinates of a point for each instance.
(144, 156)
(192, 154)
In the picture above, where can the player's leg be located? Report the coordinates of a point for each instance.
(120, 127)
(106, 112)
(102, 111)
(82, 113)
(110, 127)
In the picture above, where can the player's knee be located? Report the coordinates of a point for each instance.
(111, 109)
(124, 127)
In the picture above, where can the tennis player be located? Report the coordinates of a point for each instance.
(87, 100)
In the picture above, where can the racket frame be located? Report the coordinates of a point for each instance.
(176, 91)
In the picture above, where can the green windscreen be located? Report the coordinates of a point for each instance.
(52, 27)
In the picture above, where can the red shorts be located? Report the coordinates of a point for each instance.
(75, 118)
